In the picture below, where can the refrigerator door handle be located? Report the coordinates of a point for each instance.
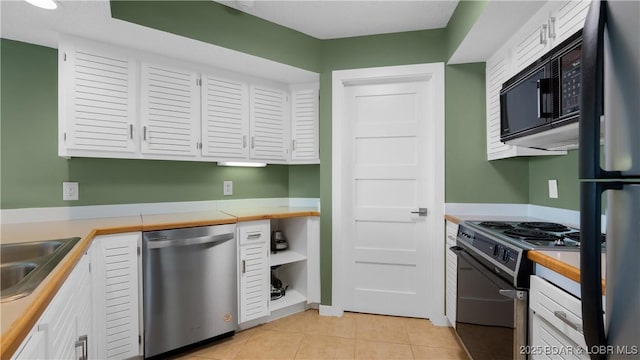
(591, 83)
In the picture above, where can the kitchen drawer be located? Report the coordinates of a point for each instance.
(252, 232)
(559, 308)
(550, 343)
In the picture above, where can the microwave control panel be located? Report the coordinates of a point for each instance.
(570, 81)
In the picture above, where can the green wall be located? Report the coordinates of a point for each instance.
(563, 168)
(470, 178)
(214, 23)
(32, 173)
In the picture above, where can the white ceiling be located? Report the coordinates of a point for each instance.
(331, 19)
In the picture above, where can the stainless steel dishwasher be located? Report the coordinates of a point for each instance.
(189, 286)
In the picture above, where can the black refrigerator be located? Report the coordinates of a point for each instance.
(611, 87)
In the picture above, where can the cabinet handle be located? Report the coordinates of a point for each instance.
(144, 133)
(293, 144)
(552, 27)
(254, 236)
(244, 141)
(84, 343)
(244, 266)
(543, 34)
(131, 131)
(451, 238)
(563, 317)
(253, 142)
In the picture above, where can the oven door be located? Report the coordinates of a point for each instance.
(491, 313)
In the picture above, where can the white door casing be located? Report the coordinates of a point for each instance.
(398, 166)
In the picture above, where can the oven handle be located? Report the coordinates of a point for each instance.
(460, 251)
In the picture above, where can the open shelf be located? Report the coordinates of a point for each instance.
(286, 257)
(292, 297)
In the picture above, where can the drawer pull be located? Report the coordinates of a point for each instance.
(563, 317)
(254, 236)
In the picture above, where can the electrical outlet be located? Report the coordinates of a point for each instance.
(70, 191)
(553, 189)
(227, 188)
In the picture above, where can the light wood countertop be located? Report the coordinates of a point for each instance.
(565, 263)
(187, 219)
(281, 212)
(19, 316)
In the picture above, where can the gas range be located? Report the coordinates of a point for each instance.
(502, 245)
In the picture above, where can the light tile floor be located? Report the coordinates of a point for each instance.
(354, 336)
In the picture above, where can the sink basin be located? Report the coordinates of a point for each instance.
(13, 273)
(20, 252)
(23, 266)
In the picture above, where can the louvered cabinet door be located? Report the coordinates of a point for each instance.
(268, 118)
(254, 281)
(97, 100)
(225, 118)
(170, 110)
(496, 74)
(570, 18)
(116, 296)
(304, 125)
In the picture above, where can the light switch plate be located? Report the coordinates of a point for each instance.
(553, 189)
(227, 188)
(70, 191)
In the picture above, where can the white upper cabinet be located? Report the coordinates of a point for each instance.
(268, 114)
(570, 18)
(225, 118)
(123, 103)
(304, 125)
(551, 25)
(170, 110)
(97, 99)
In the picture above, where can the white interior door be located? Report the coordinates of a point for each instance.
(387, 164)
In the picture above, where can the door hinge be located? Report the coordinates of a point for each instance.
(64, 136)
(139, 339)
(199, 82)
(139, 250)
(64, 56)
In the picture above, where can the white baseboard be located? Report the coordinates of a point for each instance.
(440, 320)
(328, 310)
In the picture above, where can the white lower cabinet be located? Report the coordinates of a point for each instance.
(64, 329)
(253, 281)
(556, 323)
(297, 267)
(116, 296)
(451, 273)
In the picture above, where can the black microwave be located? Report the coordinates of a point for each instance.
(545, 95)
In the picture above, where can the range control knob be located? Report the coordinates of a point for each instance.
(505, 255)
(496, 250)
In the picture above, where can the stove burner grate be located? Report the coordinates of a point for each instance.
(496, 225)
(575, 236)
(531, 235)
(544, 226)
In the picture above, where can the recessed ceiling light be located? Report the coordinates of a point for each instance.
(45, 4)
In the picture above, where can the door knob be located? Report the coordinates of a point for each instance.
(421, 212)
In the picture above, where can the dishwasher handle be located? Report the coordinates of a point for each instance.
(159, 244)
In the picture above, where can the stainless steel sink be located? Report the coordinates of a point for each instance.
(20, 252)
(13, 273)
(23, 266)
